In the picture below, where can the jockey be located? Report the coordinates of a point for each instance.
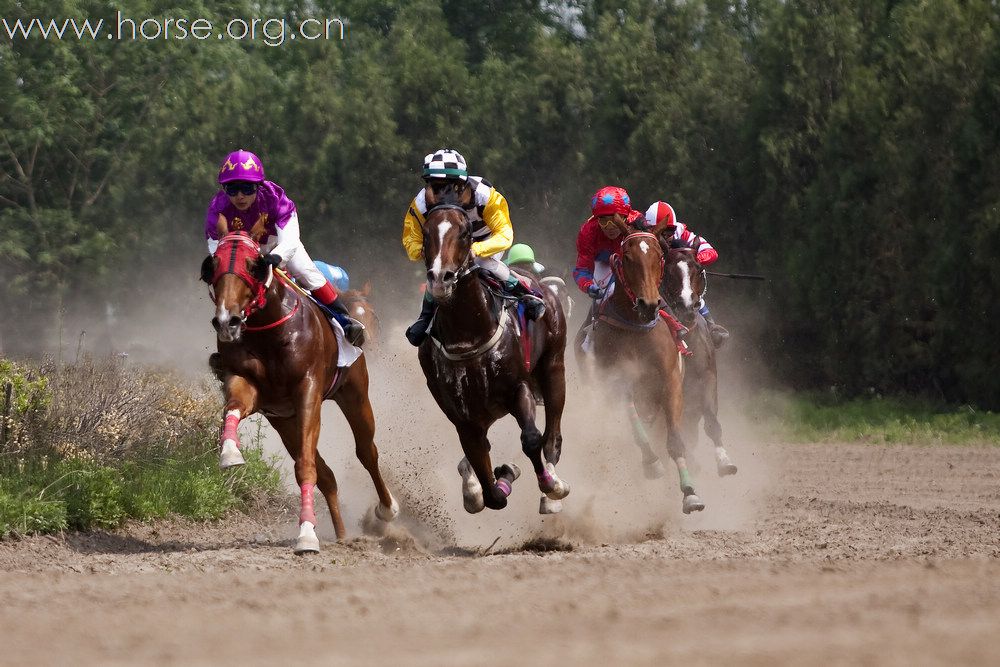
(492, 232)
(522, 257)
(249, 203)
(601, 236)
(661, 213)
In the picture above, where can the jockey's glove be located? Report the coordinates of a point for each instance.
(272, 259)
(595, 291)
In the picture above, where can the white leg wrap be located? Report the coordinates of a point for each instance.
(307, 541)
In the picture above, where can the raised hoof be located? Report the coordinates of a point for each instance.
(692, 503)
(561, 488)
(510, 471)
(472, 490)
(549, 506)
(654, 469)
(726, 469)
(307, 542)
(387, 513)
(230, 456)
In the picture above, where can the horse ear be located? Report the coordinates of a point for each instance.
(208, 267)
(258, 268)
(366, 289)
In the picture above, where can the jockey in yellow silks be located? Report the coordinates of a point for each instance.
(492, 232)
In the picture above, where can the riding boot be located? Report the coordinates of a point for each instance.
(718, 332)
(534, 305)
(354, 331)
(416, 333)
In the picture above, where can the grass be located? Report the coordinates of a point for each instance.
(822, 418)
(138, 444)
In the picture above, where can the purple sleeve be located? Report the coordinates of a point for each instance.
(212, 216)
(277, 204)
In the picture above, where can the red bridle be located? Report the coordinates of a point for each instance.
(616, 263)
(233, 252)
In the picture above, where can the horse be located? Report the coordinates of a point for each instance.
(630, 337)
(683, 287)
(277, 355)
(479, 369)
(358, 303)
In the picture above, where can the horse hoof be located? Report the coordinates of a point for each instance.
(560, 491)
(231, 455)
(692, 503)
(726, 469)
(549, 506)
(472, 490)
(654, 469)
(307, 542)
(387, 513)
(509, 470)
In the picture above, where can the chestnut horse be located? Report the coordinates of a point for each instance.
(277, 355)
(359, 305)
(477, 370)
(632, 340)
(683, 287)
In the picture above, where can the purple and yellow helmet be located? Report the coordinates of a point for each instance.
(241, 166)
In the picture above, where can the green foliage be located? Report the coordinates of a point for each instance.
(825, 418)
(29, 389)
(42, 494)
(846, 148)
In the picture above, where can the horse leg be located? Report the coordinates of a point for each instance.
(483, 486)
(552, 382)
(300, 434)
(675, 444)
(357, 408)
(327, 483)
(523, 410)
(651, 466)
(241, 401)
(713, 429)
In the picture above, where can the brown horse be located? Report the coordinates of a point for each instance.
(683, 287)
(277, 355)
(359, 305)
(479, 370)
(631, 339)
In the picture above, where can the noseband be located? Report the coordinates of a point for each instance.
(616, 263)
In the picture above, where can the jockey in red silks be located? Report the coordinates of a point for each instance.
(601, 236)
(662, 213)
(249, 203)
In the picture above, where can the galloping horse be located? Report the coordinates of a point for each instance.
(630, 336)
(277, 355)
(358, 304)
(683, 287)
(478, 368)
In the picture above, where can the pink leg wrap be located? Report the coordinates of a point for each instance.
(229, 429)
(307, 513)
(503, 486)
(546, 481)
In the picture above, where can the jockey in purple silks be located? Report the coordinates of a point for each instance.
(249, 203)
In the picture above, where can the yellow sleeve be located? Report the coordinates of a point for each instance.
(413, 235)
(496, 215)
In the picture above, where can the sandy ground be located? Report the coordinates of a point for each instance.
(826, 553)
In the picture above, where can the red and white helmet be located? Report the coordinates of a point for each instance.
(661, 214)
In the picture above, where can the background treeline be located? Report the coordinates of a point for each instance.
(846, 148)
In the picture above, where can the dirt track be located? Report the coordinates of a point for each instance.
(848, 554)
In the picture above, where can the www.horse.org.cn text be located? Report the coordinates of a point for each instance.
(269, 31)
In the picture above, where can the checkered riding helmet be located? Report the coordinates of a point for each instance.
(610, 200)
(241, 166)
(445, 163)
(661, 213)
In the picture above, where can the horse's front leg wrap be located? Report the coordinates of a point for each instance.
(307, 513)
(230, 454)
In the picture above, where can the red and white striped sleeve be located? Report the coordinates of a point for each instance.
(705, 253)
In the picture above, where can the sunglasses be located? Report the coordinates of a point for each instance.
(238, 187)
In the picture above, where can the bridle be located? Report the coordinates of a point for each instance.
(468, 266)
(616, 264)
(258, 288)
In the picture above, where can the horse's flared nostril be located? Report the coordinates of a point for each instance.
(430, 276)
(215, 323)
(448, 276)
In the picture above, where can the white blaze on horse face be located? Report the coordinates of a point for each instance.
(687, 294)
(442, 230)
(644, 247)
(359, 311)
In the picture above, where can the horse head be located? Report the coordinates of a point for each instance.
(447, 244)
(684, 283)
(238, 278)
(638, 267)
